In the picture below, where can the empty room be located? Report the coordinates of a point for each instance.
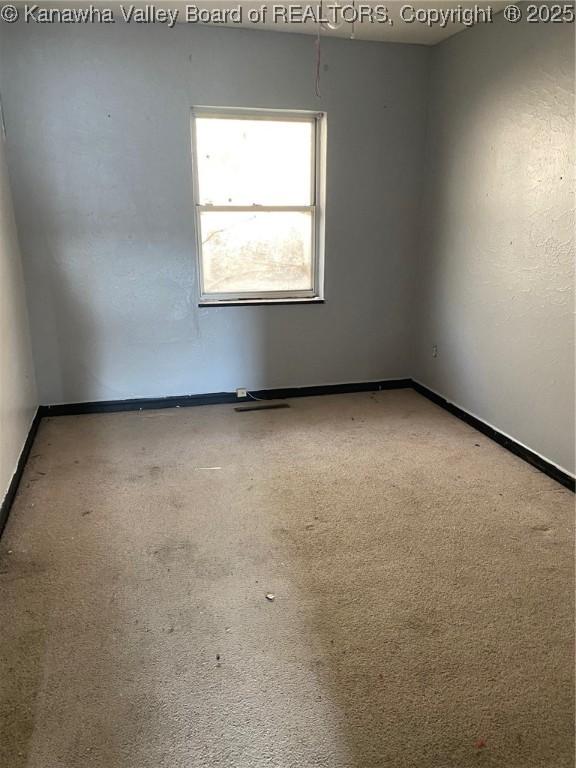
(287, 385)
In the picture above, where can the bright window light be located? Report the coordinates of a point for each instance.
(257, 186)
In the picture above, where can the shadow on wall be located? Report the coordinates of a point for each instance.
(105, 208)
(496, 273)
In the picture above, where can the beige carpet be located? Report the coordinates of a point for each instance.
(423, 582)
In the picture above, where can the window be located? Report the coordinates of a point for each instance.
(257, 178)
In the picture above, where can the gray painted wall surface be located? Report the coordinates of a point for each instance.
(497, 249)
(98, 137)
(18, 401)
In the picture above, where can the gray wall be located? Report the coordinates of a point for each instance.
(98, 139)
(497, 249)
(18, 401)
(98, 136)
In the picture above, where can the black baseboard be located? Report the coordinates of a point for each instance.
(6, 505)
(138, 404)
(332, 389)
(506, 442)
(218, 398)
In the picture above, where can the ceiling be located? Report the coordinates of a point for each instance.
(336, 18)
(287, 18)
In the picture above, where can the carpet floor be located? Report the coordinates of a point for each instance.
(422, 580)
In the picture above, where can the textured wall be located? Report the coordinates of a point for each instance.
(98, 139)
(98, 136)
(497, 250)
(17, 387)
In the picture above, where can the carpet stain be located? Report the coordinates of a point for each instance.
(421, 618)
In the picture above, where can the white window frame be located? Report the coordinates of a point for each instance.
(316, 208)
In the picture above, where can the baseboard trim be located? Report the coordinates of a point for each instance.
(6, 504)
(333, 389)
(222, 398)
(218, 398)
(137, 404)
(503, 440)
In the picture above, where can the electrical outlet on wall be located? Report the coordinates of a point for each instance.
(434, 350)
(241, 393)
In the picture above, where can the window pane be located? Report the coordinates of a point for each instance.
(261, 251)
(248, 162)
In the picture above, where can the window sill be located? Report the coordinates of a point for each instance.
(258, 302)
